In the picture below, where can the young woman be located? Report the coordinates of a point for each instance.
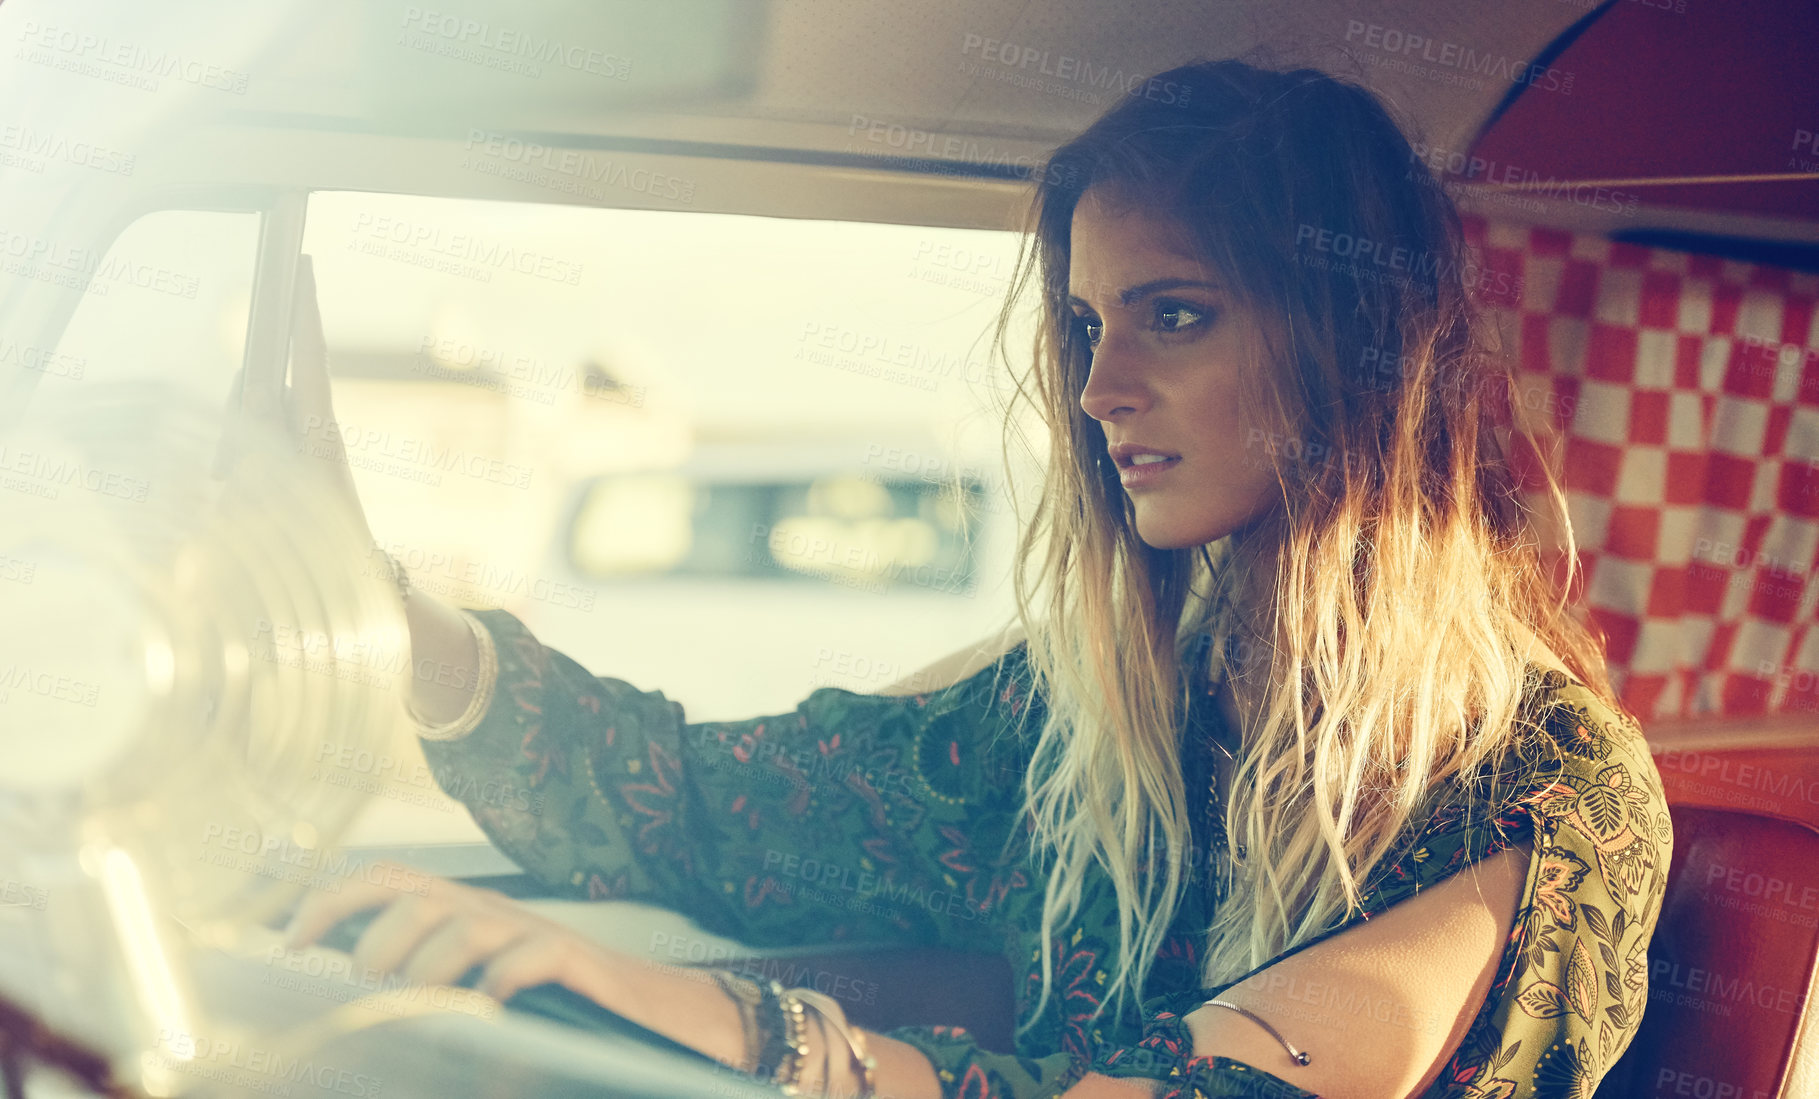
(1319, 624)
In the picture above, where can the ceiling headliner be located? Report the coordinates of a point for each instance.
(1000, 82)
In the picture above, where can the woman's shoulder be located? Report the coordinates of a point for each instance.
(1572, 753)
(961, 665)
(1599, 782)
(1585, 733)
(1575, 759)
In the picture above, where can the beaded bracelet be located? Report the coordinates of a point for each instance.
(865, 1065)
(771, 1031)
(788, 1077)
(783, 1048)
(747, 997)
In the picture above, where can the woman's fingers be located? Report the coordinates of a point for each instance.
(311, 402)
(532, 960)
(321, 911)
(436, 936)
(458, 944)
(383, 883)
(246, 414)
(294, 411)
(259, 403)
(396, 932)
(310, 398)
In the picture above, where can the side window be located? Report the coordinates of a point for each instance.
(875, 531)
(660, 436)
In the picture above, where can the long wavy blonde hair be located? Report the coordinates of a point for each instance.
(1381, 601)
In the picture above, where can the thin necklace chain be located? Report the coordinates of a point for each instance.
(1219, 843)
(1216, 666)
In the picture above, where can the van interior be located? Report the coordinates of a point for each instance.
(666, 327)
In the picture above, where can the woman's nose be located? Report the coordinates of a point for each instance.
(1114, 384)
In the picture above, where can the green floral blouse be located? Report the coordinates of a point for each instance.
(898, 820)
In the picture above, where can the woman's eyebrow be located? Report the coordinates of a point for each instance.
(1130, 295)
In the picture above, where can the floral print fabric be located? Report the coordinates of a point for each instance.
(897, 820)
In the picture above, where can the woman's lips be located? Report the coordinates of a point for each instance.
(1132, 476)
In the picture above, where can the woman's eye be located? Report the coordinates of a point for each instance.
(1170, 317)
(1173, 316)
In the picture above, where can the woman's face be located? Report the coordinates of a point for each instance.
(1170, 350)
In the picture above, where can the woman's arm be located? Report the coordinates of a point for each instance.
(438, 934)
(856, 818)
(905, 1072)
(445, 656)
(1512, 976)
(1380, 1007)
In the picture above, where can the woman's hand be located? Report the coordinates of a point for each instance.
(436, 936)
(302, 412)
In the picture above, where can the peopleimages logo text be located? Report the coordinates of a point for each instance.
(1066, 67)
(1451, 55)
(516, 42)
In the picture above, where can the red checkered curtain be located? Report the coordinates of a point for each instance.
(1682, 393)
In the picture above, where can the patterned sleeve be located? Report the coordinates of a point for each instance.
(856, 817)
(1569, 993)
(1569, 996)
(967, 1071)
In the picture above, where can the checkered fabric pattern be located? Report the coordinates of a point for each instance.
(1682, 392)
